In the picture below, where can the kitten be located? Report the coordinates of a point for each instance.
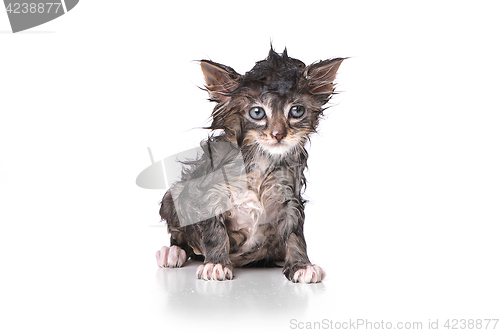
(240, 204)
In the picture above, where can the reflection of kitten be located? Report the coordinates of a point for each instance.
(267, 115)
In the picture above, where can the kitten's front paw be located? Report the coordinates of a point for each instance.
(216, 272)
(309, 274)
(171, 257)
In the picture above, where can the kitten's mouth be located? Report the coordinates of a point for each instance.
(275, 147)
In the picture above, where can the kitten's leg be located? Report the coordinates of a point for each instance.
(175, 255)
(214, 244)
(297, 266)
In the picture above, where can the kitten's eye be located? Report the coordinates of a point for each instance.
(297, 111)
(257, 113)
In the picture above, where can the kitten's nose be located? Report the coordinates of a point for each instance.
(278, 136)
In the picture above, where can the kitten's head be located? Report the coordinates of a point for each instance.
(275, 106)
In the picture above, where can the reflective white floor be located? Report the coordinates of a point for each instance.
(255, 298)
(262, 293)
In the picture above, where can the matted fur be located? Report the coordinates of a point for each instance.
(266, 218)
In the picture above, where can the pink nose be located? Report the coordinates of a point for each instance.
(278, 136)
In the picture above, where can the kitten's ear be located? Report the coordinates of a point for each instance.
(320, 76)
(221, 80)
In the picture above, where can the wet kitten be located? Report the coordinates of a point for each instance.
(240, 202)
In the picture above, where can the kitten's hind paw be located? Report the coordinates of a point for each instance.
(216, 272)
(171, 257)
(310, 274)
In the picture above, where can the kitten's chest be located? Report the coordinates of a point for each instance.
(248, 208)
(258, 209)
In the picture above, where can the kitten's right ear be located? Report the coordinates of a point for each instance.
(220, 80)
(320, 76)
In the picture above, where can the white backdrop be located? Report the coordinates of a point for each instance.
(403, 178)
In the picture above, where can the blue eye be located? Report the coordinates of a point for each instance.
(257, 113)
(297, 111)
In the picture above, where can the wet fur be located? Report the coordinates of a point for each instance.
(265, 223)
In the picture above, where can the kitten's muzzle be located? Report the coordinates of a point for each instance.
(278, 136)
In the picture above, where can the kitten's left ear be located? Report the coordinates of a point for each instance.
(221, 80)
(320, 76)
